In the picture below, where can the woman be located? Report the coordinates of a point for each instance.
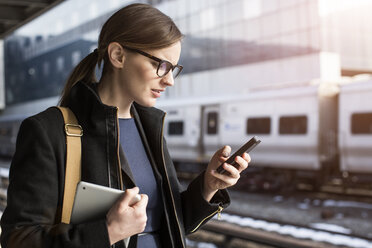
(122, 147)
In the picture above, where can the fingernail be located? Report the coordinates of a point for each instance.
(225, 154)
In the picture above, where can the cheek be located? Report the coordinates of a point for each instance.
(144, 73)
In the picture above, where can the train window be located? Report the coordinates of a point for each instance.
(172, 112)
(175, 128)
(75, 57)
(361, 123)
(293, 124)
(60, 64)
(212, 123)
(260, 125)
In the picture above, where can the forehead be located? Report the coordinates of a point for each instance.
(171, 53)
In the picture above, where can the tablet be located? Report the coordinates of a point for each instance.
(93, 201)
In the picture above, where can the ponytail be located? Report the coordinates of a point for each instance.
(84, 71)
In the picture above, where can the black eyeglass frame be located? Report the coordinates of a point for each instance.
(160, 61)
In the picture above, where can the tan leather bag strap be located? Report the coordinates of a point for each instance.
(73, 161)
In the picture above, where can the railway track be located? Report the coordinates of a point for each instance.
(232, 234)
(229, 233)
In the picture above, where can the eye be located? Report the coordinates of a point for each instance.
(155, 64)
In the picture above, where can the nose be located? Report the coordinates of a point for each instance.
(168, 79)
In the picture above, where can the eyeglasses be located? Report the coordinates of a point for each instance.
(163, 67)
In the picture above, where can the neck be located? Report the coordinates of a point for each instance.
(111, 94)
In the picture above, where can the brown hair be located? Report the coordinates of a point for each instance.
(138, 26)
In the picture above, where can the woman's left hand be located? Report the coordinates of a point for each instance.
(214, 181)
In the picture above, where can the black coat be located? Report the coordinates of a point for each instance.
(33, 214)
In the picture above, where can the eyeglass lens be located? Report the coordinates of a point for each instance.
(165, 67)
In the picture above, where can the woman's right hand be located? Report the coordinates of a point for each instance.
(124, 220)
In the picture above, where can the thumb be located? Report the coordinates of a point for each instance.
(225, 152)
(126, 198)
(142, 203)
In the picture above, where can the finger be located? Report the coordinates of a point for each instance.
(246, 157)
(135, 199)
(224, 153)
(226, 178)
(127, 197)
(143, 202)
(242, 163)
(232, 172)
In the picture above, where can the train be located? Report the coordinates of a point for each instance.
(313, 134)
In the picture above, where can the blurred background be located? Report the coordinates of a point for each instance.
(295, 73)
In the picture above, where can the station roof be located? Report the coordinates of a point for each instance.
(15, 13)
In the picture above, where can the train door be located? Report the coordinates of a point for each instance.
(328, 130)
(210, 127)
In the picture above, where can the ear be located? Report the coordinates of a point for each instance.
(116, 55)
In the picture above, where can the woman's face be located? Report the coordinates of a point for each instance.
(139, 80)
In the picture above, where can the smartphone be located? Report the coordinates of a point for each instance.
(247, 147)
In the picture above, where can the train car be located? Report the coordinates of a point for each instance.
(182, 127)
(297, 126)
(355, 130)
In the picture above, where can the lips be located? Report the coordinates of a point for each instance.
(156, 92)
